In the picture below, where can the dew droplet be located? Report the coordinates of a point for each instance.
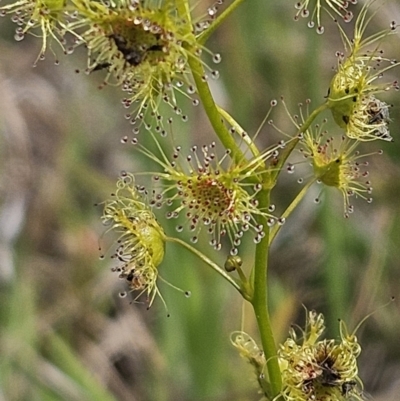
(348, 17)
(215, 74)
(290, 168)
(270, 222)
(191, 89)
(19, 36)
(305, 13)
(217, 58)
(257, 239)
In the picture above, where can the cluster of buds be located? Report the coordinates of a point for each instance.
(355, 107)
(319, 370)
(353, 99)
(312, 369)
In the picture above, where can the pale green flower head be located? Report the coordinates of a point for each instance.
(352, 92)
(338, 165)
(319, 370)
(335, 162)
(144, 47)
(141, 242)
(211, 193)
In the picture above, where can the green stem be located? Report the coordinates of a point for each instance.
(213, 265)
(183, 9)
(260, 302)
(240, 131)
(212, 111)
(292, 144)
(290, 209)
(203, 37)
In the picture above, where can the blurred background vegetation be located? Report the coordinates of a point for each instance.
(64, 332)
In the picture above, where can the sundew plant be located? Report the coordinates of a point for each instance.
(196, 181)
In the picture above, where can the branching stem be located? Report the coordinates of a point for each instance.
(212, 111)
(290, 209)
(236, 283)
(260, 302)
